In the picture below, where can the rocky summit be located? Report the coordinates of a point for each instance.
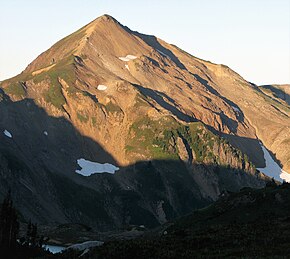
(111, 127)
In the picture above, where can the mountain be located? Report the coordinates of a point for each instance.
(170, 131)
(250, 223)
(280, 93)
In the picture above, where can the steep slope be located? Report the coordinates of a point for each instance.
(40, 170)
(280, 93)
(169, 80)
(269, 117)
(110, 95)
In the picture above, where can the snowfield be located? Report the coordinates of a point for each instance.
(7, 134)
(127, 58)
(102, 87)
(272, 169)
(89, 168)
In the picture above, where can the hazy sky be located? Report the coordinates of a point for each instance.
(250, 36)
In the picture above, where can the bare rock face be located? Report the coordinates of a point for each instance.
(184, 154)
(181, 129)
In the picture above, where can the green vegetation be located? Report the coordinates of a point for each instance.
(16, 89)
(144, 133)
(140, 101)
(113, 108)
(82, 117)
(159, 137)
(63, 70)
(137, 64)
(54, 96)
(94, 121)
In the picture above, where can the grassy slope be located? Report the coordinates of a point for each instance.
(157, 139)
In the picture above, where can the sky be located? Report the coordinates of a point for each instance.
(250, 36)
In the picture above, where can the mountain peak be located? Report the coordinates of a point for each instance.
(75, 42)
(107, 17)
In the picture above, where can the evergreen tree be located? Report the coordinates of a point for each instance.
(9, 225)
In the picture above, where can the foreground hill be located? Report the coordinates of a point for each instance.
(250, 223)
(167, 132)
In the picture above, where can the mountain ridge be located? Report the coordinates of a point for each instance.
(134, 101)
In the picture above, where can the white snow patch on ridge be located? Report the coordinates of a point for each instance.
(127, 67)
(102, 87)
(162, 53)
(89, 168)
(127, 58)
(236, 109)
(7, 134)
(272, 169)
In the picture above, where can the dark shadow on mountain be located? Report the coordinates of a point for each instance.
(156, 64)
(62, 143)
(249, 146)
(40, 169)
(153, 42)
(235, 226)
(239, 114)
(146, 189)
(187, 84)
(232, 124)
(160, 97)
(41, 145)
(93, 97)
(277, 93)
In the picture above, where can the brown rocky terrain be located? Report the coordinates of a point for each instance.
(180, 128)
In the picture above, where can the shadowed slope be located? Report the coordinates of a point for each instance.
(40, 170)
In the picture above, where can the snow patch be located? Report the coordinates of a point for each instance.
(45, 133)
(89, 168)
(272, 169)
(7, 134)
(162, 53)
(127, 67)
(54, 249)
(236, 109)
(127, 58)
(285, 176)
(102, 87)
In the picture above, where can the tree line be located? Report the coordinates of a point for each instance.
(11, 244)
